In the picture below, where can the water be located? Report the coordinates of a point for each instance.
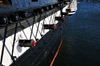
(81, 46)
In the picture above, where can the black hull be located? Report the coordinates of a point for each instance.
(31, 31)
(43, 54)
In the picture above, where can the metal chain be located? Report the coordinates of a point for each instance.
(32, 28)
(3, 44)
(13, 58)
(37, 29)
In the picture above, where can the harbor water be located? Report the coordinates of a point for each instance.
(81, 46)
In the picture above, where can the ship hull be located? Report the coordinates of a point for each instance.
(31, 33)
(46, 50)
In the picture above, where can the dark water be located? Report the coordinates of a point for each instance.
(81, 46)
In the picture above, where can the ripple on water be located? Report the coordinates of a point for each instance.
(81, 46)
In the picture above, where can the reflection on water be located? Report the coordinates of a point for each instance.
(81, 46)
